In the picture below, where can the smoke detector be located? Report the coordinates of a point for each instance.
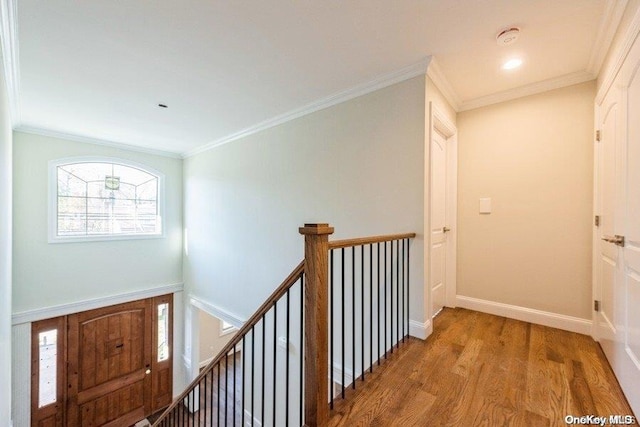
(508, 36)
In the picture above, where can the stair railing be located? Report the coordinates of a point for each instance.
(252, 383)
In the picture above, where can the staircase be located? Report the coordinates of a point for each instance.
(330, 324)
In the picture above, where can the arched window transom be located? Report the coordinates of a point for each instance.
(102, 199)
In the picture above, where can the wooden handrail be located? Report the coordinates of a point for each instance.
(314, 268)
(253, 320)
(336, 244)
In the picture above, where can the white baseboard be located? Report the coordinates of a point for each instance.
(420, 330)
(337, 375)
(539, 317)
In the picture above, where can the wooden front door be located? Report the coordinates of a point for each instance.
(110, 358)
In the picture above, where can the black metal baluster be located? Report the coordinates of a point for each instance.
(253, 371)
(244, 378)
(218, 407)
(378, 313)
(211, 398)
(203, 399)
(404, 334)
(286, 398)
(371, 308)
(353, 317)
(331, 319)
(301, 394)
(391, 292)
(264, 327)
(226, 386)
(398, 292)
(408, 280)
(362, 310)
(275, 358)
(386, 302)
(343, 322)
(233, 405)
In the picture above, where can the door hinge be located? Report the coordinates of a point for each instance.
(596, 220)
(596, 305)
(598, 135)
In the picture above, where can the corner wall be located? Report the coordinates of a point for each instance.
(6, 143)
(534, 157)
(358, 165)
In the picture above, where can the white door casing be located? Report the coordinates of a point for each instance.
(617, 269)
(442, 211)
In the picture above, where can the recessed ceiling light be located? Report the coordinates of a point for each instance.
(512, 64)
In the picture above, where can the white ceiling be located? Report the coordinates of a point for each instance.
(99, 68)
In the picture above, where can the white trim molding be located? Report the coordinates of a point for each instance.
(33, 130)
(609, 23)
(377, 83)
(440, 80)
(419, 329)
(10, 55)
(531, 89)
(216, 311)
(93, 303)
(618, 58)
(337, 375)
(525, 314)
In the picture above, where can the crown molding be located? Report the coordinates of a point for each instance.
(10, 56)
(609, 23)
(377, 83)
(95, 141)
(440, 80)
(531, 89)
(619, 57)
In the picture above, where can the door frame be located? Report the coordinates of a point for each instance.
(438, 122)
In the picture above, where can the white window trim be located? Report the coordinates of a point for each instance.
(226, 331)
(53, 200)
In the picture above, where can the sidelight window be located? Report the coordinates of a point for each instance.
(163, 332)
(48, 367)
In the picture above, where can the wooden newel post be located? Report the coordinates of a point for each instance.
(316, 324)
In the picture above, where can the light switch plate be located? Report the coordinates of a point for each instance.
(485, 205)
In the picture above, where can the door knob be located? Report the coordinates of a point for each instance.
(148, 371)
(445, 229)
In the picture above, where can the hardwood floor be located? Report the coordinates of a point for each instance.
(482, 370)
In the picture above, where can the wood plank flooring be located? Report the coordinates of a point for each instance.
(478, 369)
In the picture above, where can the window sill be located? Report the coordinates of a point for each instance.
(85, 239)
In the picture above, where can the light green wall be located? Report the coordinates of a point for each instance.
(50, 274)
(358, 165)
(5, 253)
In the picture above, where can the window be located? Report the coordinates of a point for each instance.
(101, 199)
(163, 332)
(226, 328)
(48, 367)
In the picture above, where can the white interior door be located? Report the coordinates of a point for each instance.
(439, 227)
(618, 272)
(607, 253)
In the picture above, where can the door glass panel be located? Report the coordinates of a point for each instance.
(163, 332)
(48, 357)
